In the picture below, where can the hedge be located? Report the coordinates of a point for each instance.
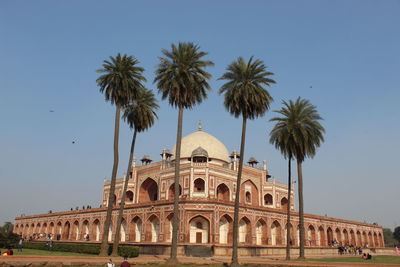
(123, 250)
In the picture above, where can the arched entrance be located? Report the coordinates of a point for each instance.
(168, 228)
(223, 193)
(110, 233)
(96, 230)
(122, 233)
(261, 232)
(66, 231)
(338, 236)
(225, 229)
(346, 237)
(359, 240)
(370, 240)
(244, 231)
(129, 196)
(284, 204)
(276, 233)
(171, 191)
(148, 191)
(268, 200)
(329, 235)
(75, 231)
(85, 231)
(199, 230)
(249, 193)
(352, 237)
(364, 238)
(311, 240)
(376, 243)
(292, 236)
(152, 229)
(321, 236)
(136, 230)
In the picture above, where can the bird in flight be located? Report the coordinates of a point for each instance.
(73, 142)
(51, 110)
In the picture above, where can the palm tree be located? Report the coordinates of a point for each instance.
(245, 96)
(140, 115)
(181, 78)
(120, 81)
(302, 135)
(281, 137)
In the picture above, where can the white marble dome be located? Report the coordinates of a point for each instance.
(215, 148)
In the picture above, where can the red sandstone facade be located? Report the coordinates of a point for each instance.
(208, 186)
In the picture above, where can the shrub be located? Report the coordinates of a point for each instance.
(128, 251)
(8, 240)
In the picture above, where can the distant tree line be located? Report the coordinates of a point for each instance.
(392, 238)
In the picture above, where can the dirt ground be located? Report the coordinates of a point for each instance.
(147, 259)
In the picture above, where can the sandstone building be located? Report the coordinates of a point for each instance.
(207, 192)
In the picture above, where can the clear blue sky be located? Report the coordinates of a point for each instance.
(347, 51)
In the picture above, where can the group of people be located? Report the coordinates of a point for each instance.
(342, 250)
(125, 263)
(8, 252)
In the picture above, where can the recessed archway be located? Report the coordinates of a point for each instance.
(311, 236)
(135, 230)
(223, 193)
(261, 232)
(329, 235)
(66, 231)
(199, 230)
(199, 186)
(276, 233)
(284, 203)
(268, 200)
(171, 191)
(85, 231)
(225, 229)
(152, 229)
(148, 191)
(96, 230)
(129, 196)
(321, 236)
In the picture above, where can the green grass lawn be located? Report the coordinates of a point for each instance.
(375, 259)
(38, 252)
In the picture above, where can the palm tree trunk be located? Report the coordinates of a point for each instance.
(301, 209)
(121, 207)
(104, 241)
(175, 219)
(235, 261)
(288, 225)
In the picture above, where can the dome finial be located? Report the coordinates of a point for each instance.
(199, 126)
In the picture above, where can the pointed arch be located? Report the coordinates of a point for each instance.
(129, 196)
(244, 231)
(168, 227)
(66, 231)
(321, 236)
(276, 233)
(152, 229)
(249, 193)
(85, 231)
(223, 192)
(74, 235)
(171, 191)
(284, 203)
(225, 229)
(135, 233)
(122, 232)
(329, 235)
(261, 232)
(199, 230)
(346, 240)
(352, 237)
(311, 236)
(148, 191)
(268, 200)
(95, 230)
(292, 239)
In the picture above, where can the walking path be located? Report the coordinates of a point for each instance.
(148, 259)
